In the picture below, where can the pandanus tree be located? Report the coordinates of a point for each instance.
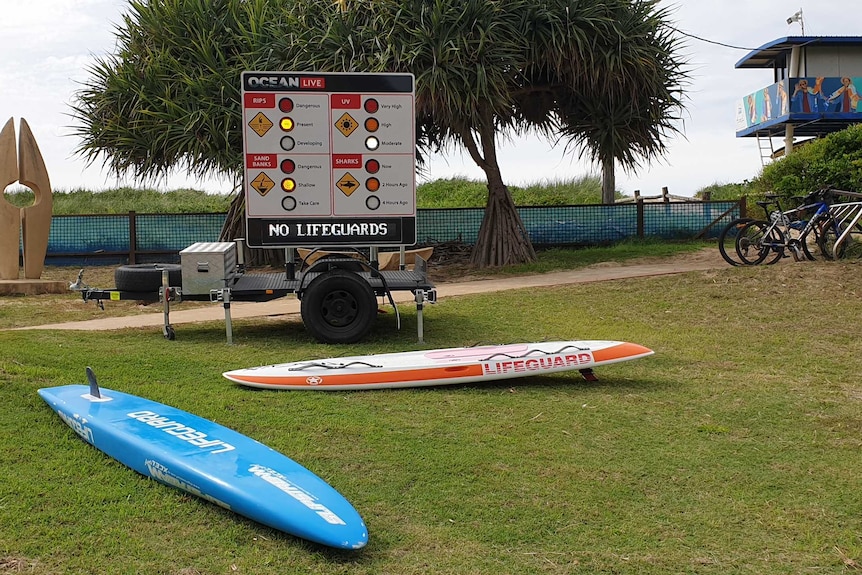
(624, 109)
(603, 75)
(168, 99)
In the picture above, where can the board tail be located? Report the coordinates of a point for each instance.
(94, 385)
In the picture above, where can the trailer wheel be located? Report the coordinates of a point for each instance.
(338, 307)
(146, 277)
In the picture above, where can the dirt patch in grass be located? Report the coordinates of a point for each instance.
(16, 565)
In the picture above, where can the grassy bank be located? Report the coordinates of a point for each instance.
(447, 193)
(733, 450)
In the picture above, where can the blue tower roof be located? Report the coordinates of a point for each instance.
(778, 50)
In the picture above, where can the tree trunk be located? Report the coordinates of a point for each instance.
(609, 181)
(233, 226)
(503, 239)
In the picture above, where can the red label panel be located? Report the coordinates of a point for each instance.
(346, 160)
(345, 101)
(258, 100)
(312, 83)
(261, 161)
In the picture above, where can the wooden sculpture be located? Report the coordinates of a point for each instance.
(34, 222)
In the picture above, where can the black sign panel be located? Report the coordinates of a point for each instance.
(271, 232)
(325, 82)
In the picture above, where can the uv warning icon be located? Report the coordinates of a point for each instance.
(260, 124)
(346, 124)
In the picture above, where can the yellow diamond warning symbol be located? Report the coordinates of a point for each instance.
(260, 124)
(262, 183)
(346, 124)
(347, 184)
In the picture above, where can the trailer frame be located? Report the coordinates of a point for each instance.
(341, 282)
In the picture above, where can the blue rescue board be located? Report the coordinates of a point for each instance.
(211, 461)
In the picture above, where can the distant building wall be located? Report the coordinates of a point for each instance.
(832, 61)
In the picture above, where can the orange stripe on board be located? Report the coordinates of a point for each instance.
(433, 373)
(621, 351)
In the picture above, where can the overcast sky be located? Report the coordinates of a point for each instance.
(48, 45)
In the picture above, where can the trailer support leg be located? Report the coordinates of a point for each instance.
(223, 295)
(228, 324)
(166, 295)
(421, 297)
(420, 326)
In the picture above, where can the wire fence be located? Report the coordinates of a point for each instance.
(142, 238)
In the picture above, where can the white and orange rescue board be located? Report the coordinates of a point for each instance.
(440, 366)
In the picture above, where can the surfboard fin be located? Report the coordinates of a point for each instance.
(588, 375)
(94, 385)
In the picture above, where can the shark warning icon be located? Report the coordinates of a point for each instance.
(347, 184)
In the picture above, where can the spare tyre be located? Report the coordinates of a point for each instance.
(146, 277)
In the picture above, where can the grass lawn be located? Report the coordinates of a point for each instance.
(734, 449)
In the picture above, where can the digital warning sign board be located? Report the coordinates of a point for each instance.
(329, 159)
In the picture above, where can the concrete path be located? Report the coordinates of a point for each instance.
(290, 305)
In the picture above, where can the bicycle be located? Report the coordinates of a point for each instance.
(746, 241)
(734, 242)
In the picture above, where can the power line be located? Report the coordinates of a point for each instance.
(712, 41)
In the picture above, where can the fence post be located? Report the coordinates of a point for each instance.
(133, 237)
(640, 215)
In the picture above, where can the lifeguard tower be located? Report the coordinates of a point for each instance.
(816, 88)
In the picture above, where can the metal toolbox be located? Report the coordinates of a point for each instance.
(207, 266)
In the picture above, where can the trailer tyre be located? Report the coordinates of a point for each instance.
(338, 307)
(146, 277)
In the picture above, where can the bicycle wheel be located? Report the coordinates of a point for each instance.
(852, 246)
(828, 232)
(758, 242)
(809, 242)
(727, 241)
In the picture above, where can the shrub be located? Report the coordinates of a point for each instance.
(718, 191)
(835, 160)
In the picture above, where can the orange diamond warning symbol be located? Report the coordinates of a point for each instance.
(260, 124)
(262, 183)
(346, 124)
(347, 184)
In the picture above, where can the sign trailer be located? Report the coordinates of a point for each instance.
(329, 161)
